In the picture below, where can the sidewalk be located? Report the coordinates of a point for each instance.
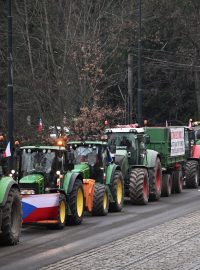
(172, 245)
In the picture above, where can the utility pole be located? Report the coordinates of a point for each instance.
(139, 91)
(130, 88)
(10, 85)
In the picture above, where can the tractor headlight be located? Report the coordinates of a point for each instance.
(58, 172)
(13, 172)
(27, 191)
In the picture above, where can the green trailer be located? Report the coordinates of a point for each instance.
(173, 144)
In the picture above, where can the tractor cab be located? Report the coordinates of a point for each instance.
(196, 127)
(41, 167)
(91, 157)
(128, 141)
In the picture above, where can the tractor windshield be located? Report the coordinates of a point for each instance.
(121, 140)
(85, 154)
(38, 161)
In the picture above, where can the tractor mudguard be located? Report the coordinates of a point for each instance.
(110, 171)
(196, 151)
(150, 159)
(69, 181)
(5, 185)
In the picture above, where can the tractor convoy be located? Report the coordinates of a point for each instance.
(54, 184)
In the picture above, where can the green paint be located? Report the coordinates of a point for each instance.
(4, 183)
(82, 168)
(31, 179)
(66, 181)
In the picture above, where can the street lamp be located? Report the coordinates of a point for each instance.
(10, 84)
(139, 91)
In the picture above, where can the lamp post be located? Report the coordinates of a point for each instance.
(10, 85)
(139, 91)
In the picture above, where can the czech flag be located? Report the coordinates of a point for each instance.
(40, 207)
(40, 126)
(109, 155)
(7, 152)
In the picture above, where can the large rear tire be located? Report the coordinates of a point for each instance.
(11, 219)
(76, 203)
(101, 200)
(166, 185)
(192, 174)
(117, 191)
(139, 186)
(155, 181)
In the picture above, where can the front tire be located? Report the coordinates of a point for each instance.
(11, 219)
(62, 212)
(139, 186)
(117, 190)
(76, 203)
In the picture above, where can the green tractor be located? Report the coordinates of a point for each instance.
(93, 161)
(10, 208)
(141, 167)
(51, 193)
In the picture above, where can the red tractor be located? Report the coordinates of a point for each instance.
(192, 168)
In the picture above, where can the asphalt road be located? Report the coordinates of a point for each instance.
(39, 247)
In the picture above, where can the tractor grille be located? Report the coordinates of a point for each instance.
(30, 186)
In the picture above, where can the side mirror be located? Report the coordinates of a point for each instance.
(112, 149)
(70, 157)
(147, 139)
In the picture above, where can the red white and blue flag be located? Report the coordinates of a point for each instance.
(40, 207)
(7, 152)
(40, 125)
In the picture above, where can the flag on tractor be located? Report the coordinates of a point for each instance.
(110, 159)
(7, 152)
(40, 126)
(190, 124)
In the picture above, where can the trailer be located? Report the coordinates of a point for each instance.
(173, 145)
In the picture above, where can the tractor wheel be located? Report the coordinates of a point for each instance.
(101, 200)
(62, 212)
(117, 190)
(166, 185)
(177, 182)
(192, 174)
(76, 203)
(155, 181)
(139, 186)
(11, 219)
